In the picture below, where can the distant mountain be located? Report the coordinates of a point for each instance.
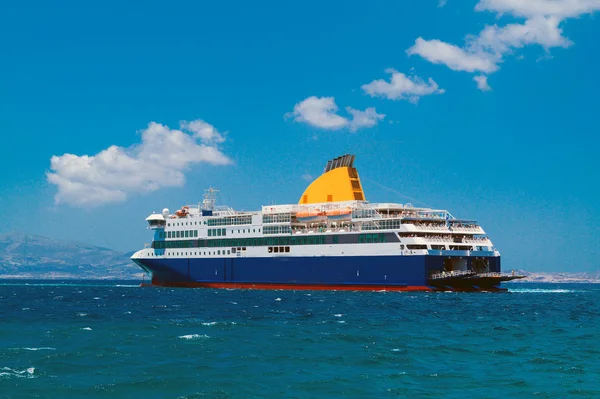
(559, 277)
(30, 256)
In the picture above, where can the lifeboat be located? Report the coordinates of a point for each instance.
(339, 214)
(183, 212)
(311, 216)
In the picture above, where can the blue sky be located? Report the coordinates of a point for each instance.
(486, 108)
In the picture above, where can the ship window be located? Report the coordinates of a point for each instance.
(287, 249)
(259, 230)
(177, 233)
(228, 252)
(210, 232)
(219, 252)
(186, 234)
(275, 249)
(223, 231)
(270, 249)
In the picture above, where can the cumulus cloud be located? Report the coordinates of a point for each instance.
(454, 57)
(307, 177)
(321, 112)
(543, 31)
(531, 8)
(203, 130)
(402, 87)
(482, 53)
(318, 112)
(159, 160)
(482, 83)
(367, 118)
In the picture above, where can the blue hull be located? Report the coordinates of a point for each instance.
(373, 271)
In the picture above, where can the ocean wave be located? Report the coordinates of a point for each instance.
(541, 290)
(8, 372)
(221, 323)
(45, 348)
(86, 329)
(194, 336)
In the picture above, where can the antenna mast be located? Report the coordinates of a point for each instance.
(210, 198)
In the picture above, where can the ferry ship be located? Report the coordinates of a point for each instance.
(331, 239)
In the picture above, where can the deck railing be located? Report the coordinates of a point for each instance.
(450, 274)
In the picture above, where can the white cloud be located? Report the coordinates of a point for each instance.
(482, 83)
(321, 112)
(454, 57)
(203, 130)
(318, 112)
(116, 172)
(531, 8)
(442, 3)
(402, 87)
(367, 118)
(307, 177)
(543, 31)
(483, 52)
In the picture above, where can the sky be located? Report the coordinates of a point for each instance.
(488, 108)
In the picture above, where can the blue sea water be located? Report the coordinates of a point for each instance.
(107, 339)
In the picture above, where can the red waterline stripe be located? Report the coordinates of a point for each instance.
(315, 287)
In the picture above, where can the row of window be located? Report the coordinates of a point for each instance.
(211, 233)
(241, 242)
(279, 249)
(277, 218)
(180, 234)
(277, 230)
(375, 237)
(182, 224)
(200, 253)
(230, 220)
(382, 225)
(265, 241)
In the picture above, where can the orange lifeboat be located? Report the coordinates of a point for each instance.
(339, 214)
(183, 212)
(310, 216)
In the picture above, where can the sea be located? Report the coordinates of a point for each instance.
(110, 339)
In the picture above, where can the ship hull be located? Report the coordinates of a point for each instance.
(390, 273)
